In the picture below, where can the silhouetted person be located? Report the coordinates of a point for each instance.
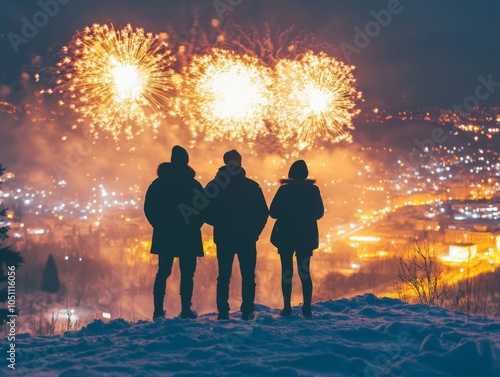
(173, 236)
(297, 206)
(238, 212)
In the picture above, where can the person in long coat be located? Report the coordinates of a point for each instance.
(296, 207)
(238, 212)
(174, 236)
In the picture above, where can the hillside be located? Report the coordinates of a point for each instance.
(362, 336)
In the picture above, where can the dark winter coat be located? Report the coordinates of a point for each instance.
(297, 206)
(239, 211)
(172, 234)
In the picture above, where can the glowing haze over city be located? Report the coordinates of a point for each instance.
(400, 133)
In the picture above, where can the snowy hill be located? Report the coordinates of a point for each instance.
(362, 336)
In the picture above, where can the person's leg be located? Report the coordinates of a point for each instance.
(247, 258)
(164, 270)
(187, 265)
(303, 265)
(225, 259)
(286, 280)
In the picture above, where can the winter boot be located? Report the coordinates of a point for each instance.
(286, 288)
(187, 313)
(247, 316)
(307, 294)
(223, 316)
(306, 311)
(159, 315)
(287, 310)
(158, 303)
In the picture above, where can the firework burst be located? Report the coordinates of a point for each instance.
(116, 81)
(224, 95)
(315, 98)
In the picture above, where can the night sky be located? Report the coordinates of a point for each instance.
(430, 54)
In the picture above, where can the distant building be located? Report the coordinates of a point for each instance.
(483, 239)
(417, 199)
(425, 224)
(460, 190)
(462, 252)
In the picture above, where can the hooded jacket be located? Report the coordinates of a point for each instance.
(239, 211)
(172, 234)
(297, 206)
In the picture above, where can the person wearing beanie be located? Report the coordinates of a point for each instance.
(296, 207)
(238, 212)
(179, 157)
(174, 236)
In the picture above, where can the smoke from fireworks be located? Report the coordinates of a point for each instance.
(116, 81)
(315, 97)
(270, 43)
(224, 95)
(193, 34)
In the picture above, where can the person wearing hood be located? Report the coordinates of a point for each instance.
(173, 236)
(296, 207)
(238, 212)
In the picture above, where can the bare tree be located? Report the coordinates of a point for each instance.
(402, 291)
(53, 322)
(470, 295)
(422, 273)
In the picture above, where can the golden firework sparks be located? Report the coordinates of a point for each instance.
(8, 108)
(116, 81)
(315, 97)
(224, 95)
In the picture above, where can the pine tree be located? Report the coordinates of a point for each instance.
(50, 276)
(10, 261)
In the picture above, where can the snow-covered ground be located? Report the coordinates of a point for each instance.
(362, 336)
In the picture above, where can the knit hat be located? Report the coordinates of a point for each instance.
(179, 156)
(298, 170)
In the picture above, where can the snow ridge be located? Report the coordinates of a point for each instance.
(361, 336)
